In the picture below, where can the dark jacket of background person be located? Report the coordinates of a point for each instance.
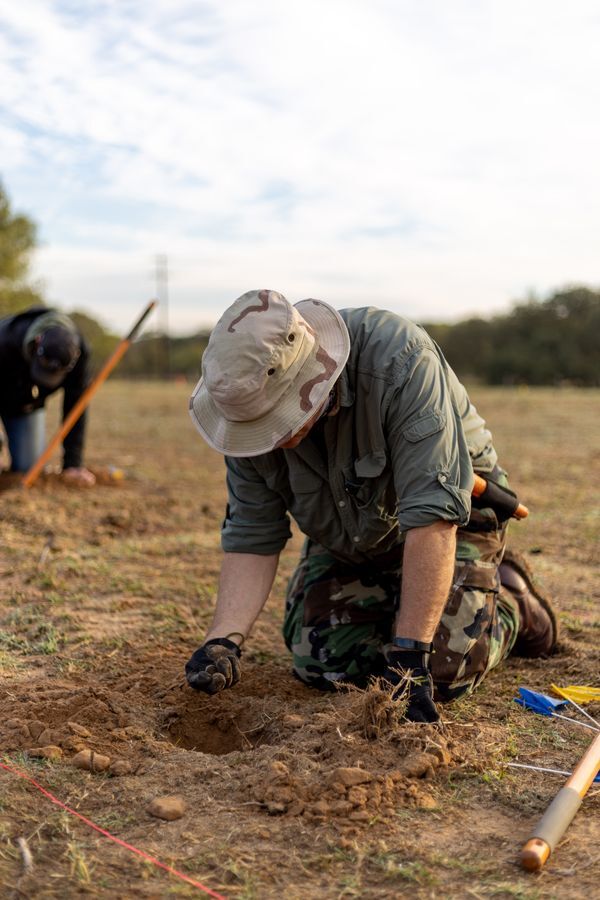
(20, 395)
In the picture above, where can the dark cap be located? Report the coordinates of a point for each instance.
(55, 353)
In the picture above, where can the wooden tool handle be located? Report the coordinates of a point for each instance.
(559, 815)
(85, 399)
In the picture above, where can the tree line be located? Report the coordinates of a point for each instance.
(539, 341)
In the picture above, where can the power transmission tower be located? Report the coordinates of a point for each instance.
(162, 295)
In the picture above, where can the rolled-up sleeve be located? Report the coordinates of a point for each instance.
(430, 458)
(256, 520)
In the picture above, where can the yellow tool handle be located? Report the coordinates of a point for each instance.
(559, 815)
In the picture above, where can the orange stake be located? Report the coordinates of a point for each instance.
(83, 402)
(559, 815)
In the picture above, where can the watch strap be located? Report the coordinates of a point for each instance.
(401, 643)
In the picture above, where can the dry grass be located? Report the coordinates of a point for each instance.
(106, 592)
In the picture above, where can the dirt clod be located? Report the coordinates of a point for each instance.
(120, 767)
(36, 729)
(92, 762)
(419, 765)
(350, 776)
(167, 808)
(81, 730)
(48, 752)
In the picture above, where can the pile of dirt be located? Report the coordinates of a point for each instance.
(345, 756)
(62, 721)
(358, 760)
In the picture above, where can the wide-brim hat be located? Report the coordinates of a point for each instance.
(268, 368)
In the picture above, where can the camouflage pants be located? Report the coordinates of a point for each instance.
(339, 618)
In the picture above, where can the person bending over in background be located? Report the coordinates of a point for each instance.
(354, 423)
(41, 350)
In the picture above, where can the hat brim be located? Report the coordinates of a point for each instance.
(258, 436)
(46, 378)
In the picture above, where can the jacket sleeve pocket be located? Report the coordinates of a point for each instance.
(423, 426)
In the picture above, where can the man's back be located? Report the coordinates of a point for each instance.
(394, 456)
(389, 347)
(15, 379)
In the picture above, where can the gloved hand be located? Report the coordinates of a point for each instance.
(410, 668)
(214, 666)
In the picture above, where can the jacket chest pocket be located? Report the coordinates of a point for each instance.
(364, 481)
(308, 502)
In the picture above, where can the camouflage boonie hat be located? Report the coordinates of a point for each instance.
(267, 369)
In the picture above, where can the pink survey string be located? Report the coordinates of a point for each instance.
(110, 836)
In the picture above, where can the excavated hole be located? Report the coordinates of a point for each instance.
(206, 733)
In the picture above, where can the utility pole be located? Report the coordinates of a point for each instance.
(162, 295)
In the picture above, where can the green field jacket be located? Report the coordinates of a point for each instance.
(398, 454)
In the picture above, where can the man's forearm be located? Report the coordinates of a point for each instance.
(427, 569)
(244, 585)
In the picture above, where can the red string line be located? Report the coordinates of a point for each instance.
(111, 837)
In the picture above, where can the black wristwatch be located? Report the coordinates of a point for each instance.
(409, 644)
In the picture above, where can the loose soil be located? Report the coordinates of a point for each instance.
(282, 790)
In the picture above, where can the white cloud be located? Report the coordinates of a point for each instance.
(435, 158)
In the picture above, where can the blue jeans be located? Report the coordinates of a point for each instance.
(26, 437)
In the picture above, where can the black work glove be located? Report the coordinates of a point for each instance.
(410, 668)
(214, 666)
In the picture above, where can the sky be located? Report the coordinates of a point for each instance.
(436, 159)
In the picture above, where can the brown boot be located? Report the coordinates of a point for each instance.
(538, 631)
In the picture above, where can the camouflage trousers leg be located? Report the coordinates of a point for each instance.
(480, 622)
(339, 619)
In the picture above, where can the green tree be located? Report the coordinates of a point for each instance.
(147, 357)
(554, 341)
(17, 240)
(467, 345)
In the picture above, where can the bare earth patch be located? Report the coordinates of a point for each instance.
(280, 790)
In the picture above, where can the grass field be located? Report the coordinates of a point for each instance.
(107, 591)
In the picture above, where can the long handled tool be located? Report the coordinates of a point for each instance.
(561, 811)
(499, 498)
(120, 351)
